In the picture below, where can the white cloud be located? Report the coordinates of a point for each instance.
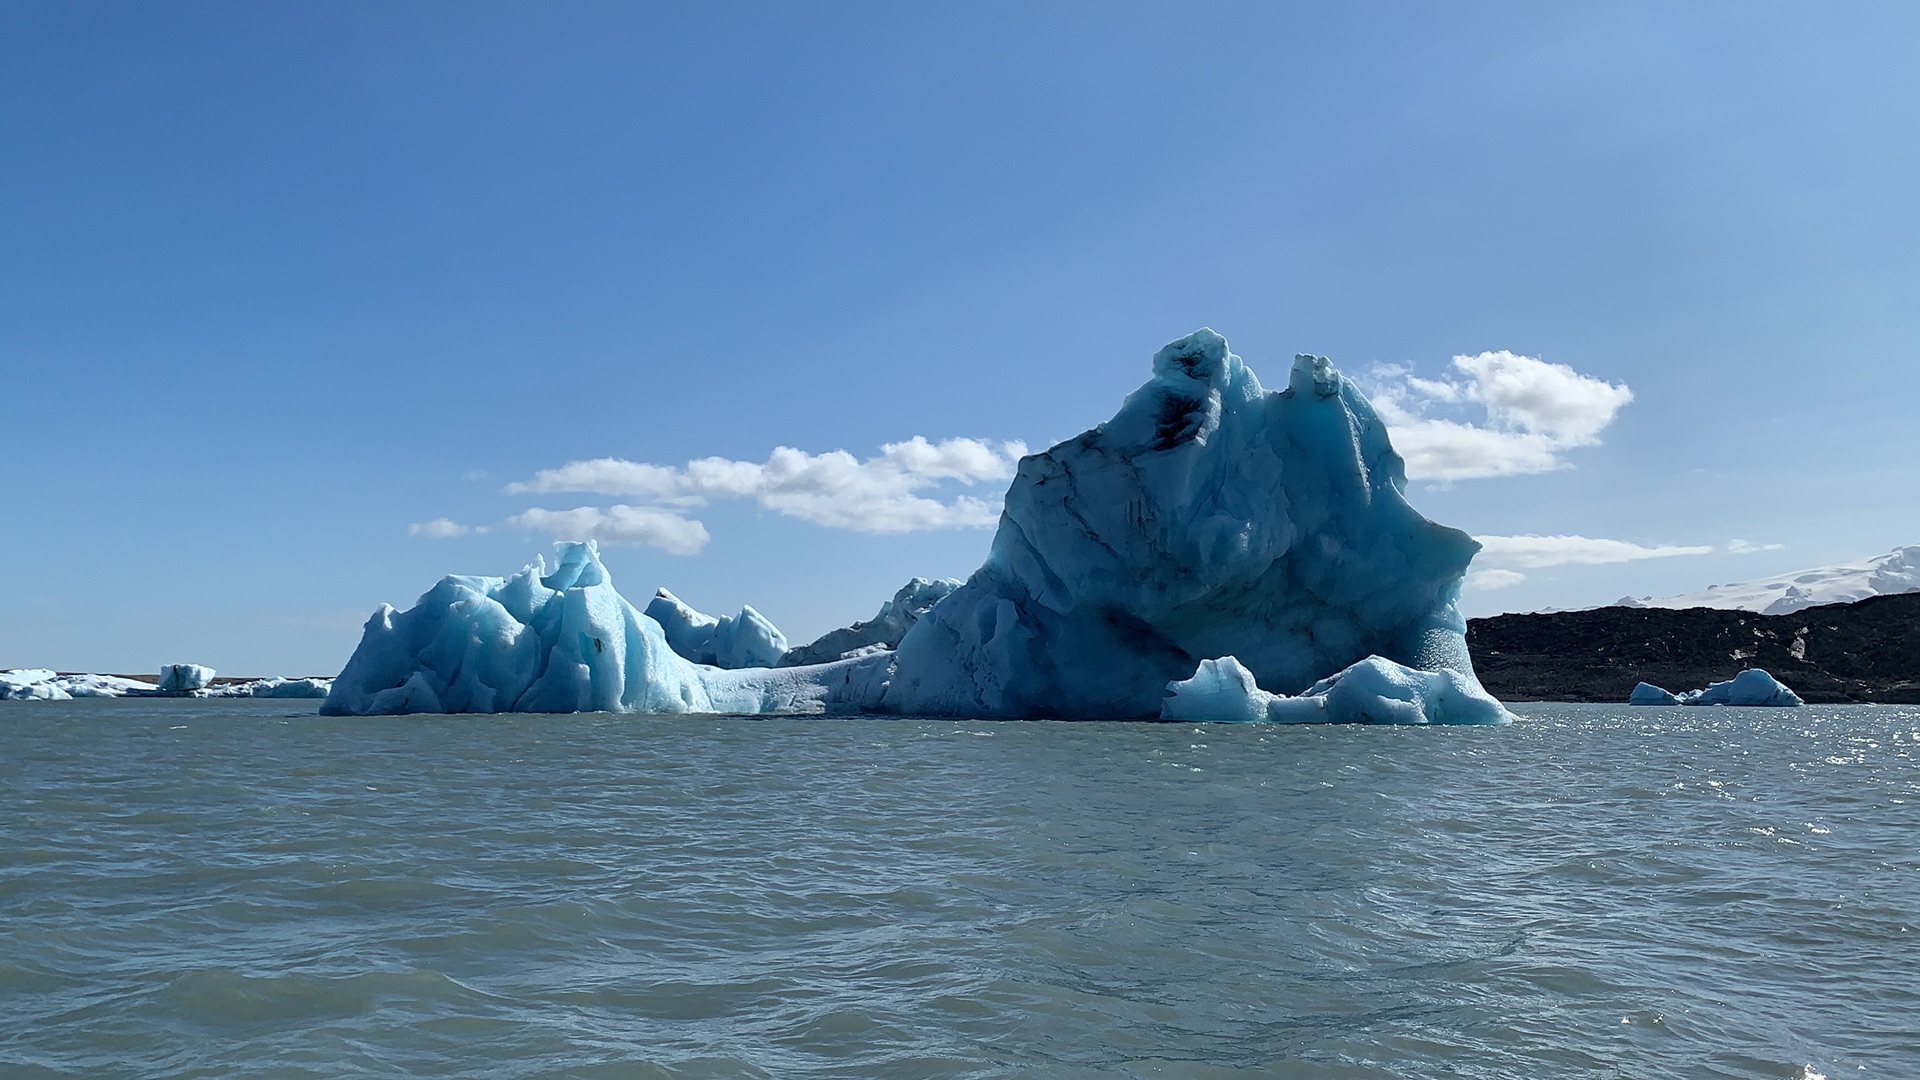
(888, 493)
(650, 525)
(438, 529)
(1748, 547)
(1535, 411)
(1494, 579)
(1536, 552)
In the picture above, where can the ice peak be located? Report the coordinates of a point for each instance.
(1201, 356)
(576, 563)
(1315, 373)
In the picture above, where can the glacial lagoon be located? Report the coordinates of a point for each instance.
(243, 888)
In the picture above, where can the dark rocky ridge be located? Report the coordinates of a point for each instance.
(1868, 650)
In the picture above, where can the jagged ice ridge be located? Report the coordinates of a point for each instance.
(1210, 518)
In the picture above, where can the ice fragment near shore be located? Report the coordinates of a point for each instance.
(1648, 694)
(1208, 518)
(1752, 687)
(746, 640)
(1372, 691)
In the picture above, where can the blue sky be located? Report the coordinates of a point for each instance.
(278, 282)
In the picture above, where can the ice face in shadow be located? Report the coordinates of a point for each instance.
(746, 640)
(564, 641)
(883, 631)
(183, 678)
(1372, 691)
(1208, 518)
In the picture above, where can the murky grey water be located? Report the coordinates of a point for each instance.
(230, 889)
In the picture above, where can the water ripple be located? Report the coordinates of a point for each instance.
(200, 889)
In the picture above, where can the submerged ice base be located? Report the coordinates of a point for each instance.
(1210, 520)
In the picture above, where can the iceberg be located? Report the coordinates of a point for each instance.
(883, 631)
(1648, 694)
(1239, 542)
(746, 640)
(564, 641)
(1209, 518)
(40, 684)
(270, 688)
(184, 678)
(1752, 687)
(30, 684)
(1371, 691)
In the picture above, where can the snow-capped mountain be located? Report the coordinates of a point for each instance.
(1898, 571)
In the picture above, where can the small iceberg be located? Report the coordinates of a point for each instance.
(40, 684)
(1372, 691)
(1752, 687)
(184, 678)
(746, 640)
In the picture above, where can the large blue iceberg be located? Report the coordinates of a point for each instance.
(1210, 518)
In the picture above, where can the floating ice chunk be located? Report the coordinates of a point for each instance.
(30, 684)
(562, 642)
(272, 688)
(1372, 691)
(1648, 694)
(101, 685)
(182, 678)
(883, 631)
(1208, 518)
(745, 640)
(292, 688)
(1752, 687)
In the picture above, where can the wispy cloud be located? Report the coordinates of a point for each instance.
(1484, 580)
(1495, 566)
(438, 529)
(652, 526)
(1539, 552)
(1748, 547)
(1533, 412)
(895, 491)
